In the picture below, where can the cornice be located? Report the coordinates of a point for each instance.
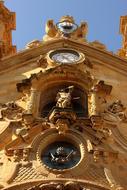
(103, 57)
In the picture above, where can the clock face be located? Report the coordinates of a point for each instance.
(61, 155)
(65, 56)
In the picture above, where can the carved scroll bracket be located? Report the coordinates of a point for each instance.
(112, 181)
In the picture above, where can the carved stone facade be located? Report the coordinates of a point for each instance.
(63, 119)
(7, 24)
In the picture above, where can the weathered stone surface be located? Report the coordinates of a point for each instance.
(44, 101)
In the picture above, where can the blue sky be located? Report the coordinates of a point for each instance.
(102, 17)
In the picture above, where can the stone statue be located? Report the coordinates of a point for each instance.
(64, 97)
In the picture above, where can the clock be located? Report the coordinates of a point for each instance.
(65, 56)
(60, 155)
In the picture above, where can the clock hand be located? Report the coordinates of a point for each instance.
(65, 57)
(71, 153)
(52, 156)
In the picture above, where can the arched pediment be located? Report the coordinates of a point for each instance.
(60, 74)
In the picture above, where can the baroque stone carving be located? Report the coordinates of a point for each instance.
(60, 186)
(115, 112)
(63, 115)
(53, 31)
(42, 62)
(64, 97)
(10, 111)
(98, 101)
(62, 125)
(32, 44)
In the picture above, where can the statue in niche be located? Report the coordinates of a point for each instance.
(64, 97)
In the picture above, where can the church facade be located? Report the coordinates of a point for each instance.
(63, 118)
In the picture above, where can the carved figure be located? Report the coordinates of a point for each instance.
(64, 97)
(50, 28)
(16, 155)
(25, 154)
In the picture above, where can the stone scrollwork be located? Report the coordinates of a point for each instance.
(98, 96)
(115, 112)
(10, 111)
(112, 181)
